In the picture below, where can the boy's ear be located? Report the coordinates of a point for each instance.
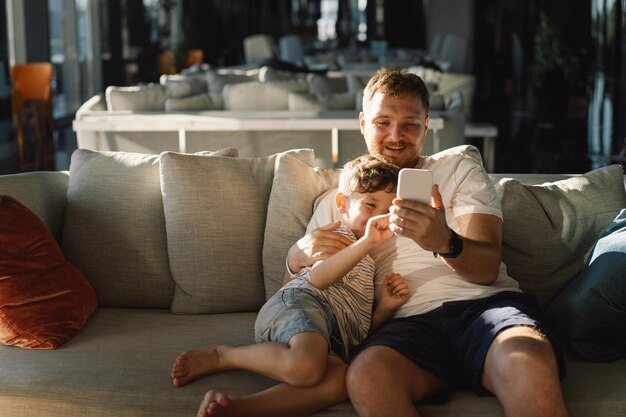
(341, 203)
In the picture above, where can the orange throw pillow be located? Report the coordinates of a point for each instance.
(44, 300)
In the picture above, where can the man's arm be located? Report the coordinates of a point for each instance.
(479, 262)
(319, 244)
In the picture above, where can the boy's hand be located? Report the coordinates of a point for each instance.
(394, 292)
(377, 230)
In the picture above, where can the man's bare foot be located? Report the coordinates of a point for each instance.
(193, 364)
(213, 403)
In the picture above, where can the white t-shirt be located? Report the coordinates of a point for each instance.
(465, 188)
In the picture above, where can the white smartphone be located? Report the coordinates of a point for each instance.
(415, 184)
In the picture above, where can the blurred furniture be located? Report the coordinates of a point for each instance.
(258, 110)
(31, 105)
(167, 63)
(290, 49)
(194, 57)
(329, 132)
(448, 51)
(488, 133)
(257, 48)
(5, 87)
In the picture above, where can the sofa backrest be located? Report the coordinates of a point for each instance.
(209, 233)
(259, 96)
(42, 192)
(143, 229)
(114, 228)
(140, 98)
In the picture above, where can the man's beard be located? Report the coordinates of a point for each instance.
(408, 158)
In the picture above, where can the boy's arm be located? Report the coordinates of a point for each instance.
(394, 293)
(331, 270)
(380, 315)
(327, 272)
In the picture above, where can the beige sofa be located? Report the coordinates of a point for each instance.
(132, 119)
(182, 250)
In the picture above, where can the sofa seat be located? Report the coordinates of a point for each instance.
(111, 374)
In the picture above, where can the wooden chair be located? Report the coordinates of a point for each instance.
(31, 100)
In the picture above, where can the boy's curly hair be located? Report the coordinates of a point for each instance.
(367, 174)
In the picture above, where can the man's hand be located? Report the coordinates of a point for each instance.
(319, 244)
(424, 224)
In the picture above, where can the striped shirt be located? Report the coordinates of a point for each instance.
(350, 298)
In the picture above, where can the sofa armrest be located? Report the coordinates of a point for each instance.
(95, 103)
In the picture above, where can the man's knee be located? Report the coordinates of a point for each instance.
(365, 375)
(364, 367)
(521, 355)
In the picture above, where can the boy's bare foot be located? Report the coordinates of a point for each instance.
(213, 403)
(193, 364)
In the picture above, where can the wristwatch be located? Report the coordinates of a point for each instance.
(456, 247)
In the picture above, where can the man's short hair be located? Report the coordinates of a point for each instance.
(368, 174)
(398, 83)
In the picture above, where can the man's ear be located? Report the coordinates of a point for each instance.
(341, 202)
(361, 121)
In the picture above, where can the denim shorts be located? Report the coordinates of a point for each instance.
(297, 310)
(451, 342)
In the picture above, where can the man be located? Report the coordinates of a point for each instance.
(466, 323)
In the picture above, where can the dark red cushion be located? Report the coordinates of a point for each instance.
(44, 300)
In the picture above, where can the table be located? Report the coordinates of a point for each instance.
(333, 122)
(488, 133)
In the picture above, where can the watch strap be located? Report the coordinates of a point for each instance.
(456, 247)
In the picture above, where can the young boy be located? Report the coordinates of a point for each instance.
(320, 314)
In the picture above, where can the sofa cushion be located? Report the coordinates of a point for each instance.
(357, 82)
(295, 187)
(114, 228)
(258, 96)
(217, 80)
(548, 228)
(199, 102)
(149, 97)
(590, 313)
(44, 300)
(177, 85)
(268, 74)
(321, 102)
(215, 211)
(321, 84)
(42, 192)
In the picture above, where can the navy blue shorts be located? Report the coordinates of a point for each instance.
(451, 342)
